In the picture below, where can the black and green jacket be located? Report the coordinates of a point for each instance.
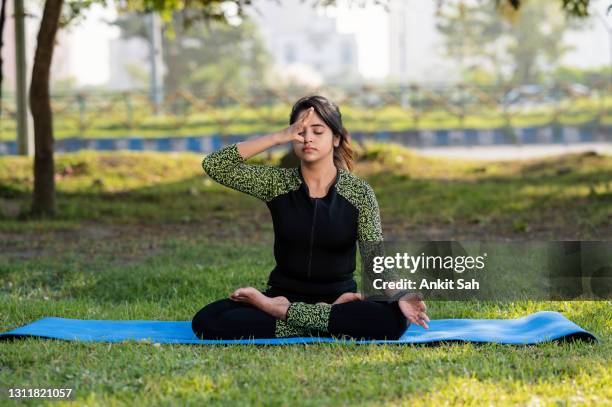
(315, 239)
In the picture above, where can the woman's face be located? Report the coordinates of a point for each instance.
(319, 140)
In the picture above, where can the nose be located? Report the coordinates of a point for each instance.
(308, 136)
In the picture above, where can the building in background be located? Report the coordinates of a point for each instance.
(416, 53)
(129, 64)
(62, 55)
(301, 39)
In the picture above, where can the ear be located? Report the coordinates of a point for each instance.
(336, 140)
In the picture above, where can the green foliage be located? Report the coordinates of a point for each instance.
(575, 8)
(203, 9)
(206, 57)
(592, 77)
(74, 10)
(518, 46)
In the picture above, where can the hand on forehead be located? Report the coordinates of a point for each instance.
(305, 112)
(313, 120)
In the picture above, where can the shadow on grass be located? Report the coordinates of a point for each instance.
(180, 270)
(508, 201)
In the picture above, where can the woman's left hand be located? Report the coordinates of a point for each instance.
(413, 308)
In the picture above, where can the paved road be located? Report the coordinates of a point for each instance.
(514, 152)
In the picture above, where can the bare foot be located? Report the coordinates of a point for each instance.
(275, 306)
(348, 297)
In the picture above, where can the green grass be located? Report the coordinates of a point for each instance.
(155, 239)
(570, 195)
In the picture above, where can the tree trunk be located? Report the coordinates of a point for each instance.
(2, 20)
(43, 202)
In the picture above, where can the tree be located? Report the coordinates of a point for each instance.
(2, 20)
(44, 168)
(577, 8)
(57, 14)
(518, 48)
(206, 57)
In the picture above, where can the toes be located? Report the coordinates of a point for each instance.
(238, 294)
(247, 294)
(250, 291)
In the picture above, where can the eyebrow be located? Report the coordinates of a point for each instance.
(317, 124)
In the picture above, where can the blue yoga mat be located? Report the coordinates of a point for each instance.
(539, 327)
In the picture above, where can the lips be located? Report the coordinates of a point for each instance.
(308, 149)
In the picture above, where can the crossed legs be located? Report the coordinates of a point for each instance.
(250, 313)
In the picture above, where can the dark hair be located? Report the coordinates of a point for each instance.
(330, 113)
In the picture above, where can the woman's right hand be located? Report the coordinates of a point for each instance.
(413, 308)
(292, 133)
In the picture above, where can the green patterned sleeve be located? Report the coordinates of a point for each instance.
(369, 227)
(229, 168)
(369, 230)
(370, 241)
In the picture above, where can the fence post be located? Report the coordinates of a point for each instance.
(129, 109)
(81, 101)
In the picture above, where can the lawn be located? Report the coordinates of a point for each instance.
(148, 236)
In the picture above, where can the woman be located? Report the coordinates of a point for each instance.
(320, 210)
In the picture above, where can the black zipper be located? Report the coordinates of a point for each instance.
(314, 214)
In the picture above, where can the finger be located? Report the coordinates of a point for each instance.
(417, 321)
(309, 114)
(297, 132)
(418, 297)
(298, 125)
(304, 116)
(420, 323)
(298, 138)
(302, 126)
(417, 303)
(424, 316)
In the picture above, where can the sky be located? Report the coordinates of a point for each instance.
(90, 40)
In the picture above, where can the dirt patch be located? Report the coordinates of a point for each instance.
(493, 232)
(127, 243)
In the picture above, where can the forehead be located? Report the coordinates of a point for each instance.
(315, 121)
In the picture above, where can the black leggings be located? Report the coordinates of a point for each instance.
(228, 319)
